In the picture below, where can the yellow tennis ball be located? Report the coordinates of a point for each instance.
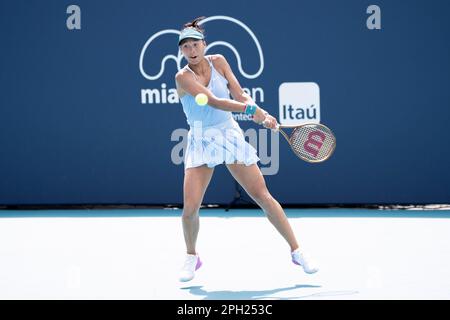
(201, 99)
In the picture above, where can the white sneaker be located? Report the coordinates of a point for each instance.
(304, 260)
(191, 264)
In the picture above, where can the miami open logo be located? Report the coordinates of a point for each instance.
(163, 94)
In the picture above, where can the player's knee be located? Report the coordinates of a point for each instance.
(262, 197)
(190, 210)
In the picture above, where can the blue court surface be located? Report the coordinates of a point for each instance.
(136, 254)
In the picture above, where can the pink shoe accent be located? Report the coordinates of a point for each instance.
(199, 264)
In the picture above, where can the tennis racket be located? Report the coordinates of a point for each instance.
(311, 142)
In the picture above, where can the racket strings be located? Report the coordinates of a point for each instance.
(312, 142)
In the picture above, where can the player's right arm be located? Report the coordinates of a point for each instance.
(187, 83)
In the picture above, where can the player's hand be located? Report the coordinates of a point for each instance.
(270, 122)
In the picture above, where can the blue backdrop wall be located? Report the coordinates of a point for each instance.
(88, 113)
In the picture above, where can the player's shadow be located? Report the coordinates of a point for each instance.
(243, 295)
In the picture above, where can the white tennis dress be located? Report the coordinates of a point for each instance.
(214, 136)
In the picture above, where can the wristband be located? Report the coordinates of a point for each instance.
(249, 109)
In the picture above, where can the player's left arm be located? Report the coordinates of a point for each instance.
(236, 90)
(234, 86)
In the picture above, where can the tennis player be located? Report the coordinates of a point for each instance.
(215, 138)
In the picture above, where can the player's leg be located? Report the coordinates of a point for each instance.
(196, 181)
(252, 180)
